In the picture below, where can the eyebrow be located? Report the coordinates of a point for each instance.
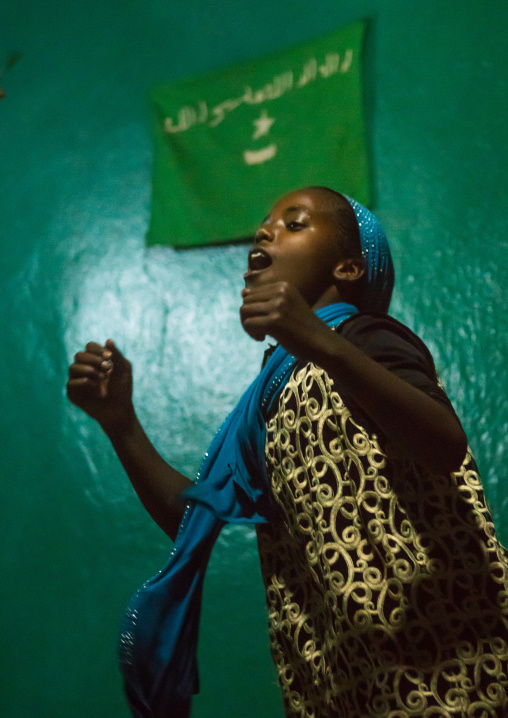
(297, 208)
(294, 208)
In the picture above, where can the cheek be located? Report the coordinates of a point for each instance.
(319, 264)
(312, 277)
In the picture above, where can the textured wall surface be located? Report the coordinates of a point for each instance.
(75, 157)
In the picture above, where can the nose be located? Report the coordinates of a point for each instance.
(263, 233)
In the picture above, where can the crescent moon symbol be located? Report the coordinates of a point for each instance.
(257, 157)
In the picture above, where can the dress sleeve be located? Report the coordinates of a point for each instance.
(397, 348)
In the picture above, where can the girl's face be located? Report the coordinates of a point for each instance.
(298, 243)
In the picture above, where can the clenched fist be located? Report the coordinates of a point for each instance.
(279, 310)
(100, 383)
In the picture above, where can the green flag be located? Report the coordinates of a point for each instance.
(228, 144)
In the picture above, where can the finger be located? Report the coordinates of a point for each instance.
(257, 309)
(264, 293)
(85, 370)
(94, 348)
(255, 328)
(96, 360)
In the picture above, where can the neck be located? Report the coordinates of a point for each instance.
(330, 296)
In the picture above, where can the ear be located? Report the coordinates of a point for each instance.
(349, 270)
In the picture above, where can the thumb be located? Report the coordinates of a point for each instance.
(116, 355)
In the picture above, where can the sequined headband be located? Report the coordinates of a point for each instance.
(376, 253)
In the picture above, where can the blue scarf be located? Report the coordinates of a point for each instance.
(159, 634)
(378, 259)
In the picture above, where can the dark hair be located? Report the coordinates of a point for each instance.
(349, 241)
(346, 223)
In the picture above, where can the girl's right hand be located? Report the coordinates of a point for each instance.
(100, 383)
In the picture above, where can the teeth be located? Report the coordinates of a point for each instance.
(258, 259)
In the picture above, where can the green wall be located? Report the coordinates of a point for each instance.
(75, 156)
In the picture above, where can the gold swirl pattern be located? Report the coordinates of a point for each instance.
(386, 589)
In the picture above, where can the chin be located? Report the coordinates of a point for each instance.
(258, 280)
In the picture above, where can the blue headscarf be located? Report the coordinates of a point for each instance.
(159, 633)
(377, 257)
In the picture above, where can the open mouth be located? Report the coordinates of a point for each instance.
(258, 260)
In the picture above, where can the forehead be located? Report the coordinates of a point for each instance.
(311, 200)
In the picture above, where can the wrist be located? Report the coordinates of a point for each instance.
(119, 425)
(326, 349)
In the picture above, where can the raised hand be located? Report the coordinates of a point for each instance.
(279, 310)
(100, 383)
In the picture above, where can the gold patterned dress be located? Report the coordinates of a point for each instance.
(386, 586)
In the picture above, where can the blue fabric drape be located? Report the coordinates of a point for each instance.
(160, 630)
